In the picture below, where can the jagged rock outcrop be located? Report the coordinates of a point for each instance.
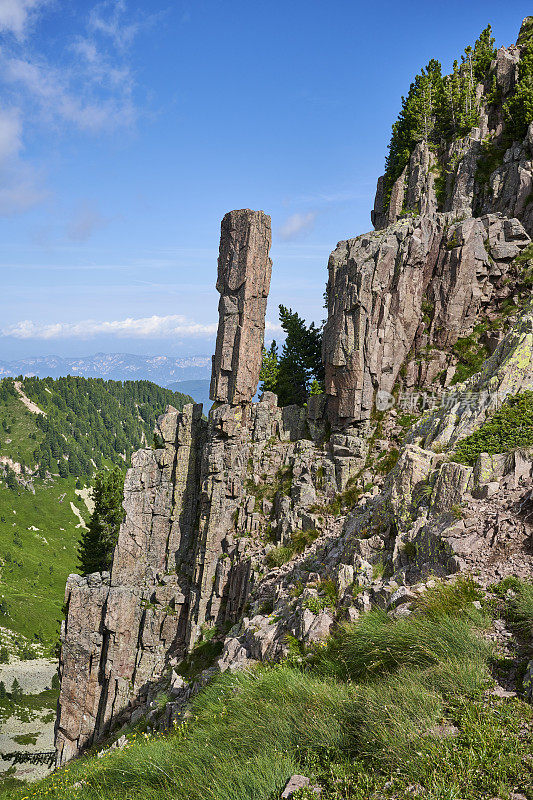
(420, 284)
(244, 270)
(215, 510)
(460, 164)
(194, 536)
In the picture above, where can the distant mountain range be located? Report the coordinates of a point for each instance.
(113, 366)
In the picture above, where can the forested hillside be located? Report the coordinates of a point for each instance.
(54, 436)
(84, 422)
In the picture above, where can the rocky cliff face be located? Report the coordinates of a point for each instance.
(214, 512)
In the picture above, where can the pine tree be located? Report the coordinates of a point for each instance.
(518, 109)
(301, 358)
(269, 368)
(16, 690)
(98, 541)
(484, 52)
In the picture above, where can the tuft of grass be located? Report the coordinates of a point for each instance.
(375, 645)
(519, 608)
(278, 556)
(299, 541)
(453, 599)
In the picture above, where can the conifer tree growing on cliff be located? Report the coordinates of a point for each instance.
(98, 541)
(291, 375)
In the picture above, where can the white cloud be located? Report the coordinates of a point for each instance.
(87, 84)
(107, 18)
(143, 327)
(85, 222)
(297, 224)
(20, 188)
(19, 183)
(10, 133)
(60, 97)
(273, 327)
(15, 14)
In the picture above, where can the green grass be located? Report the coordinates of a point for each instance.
(519, 609)
(298, 542)
(377, 645)
(407, 708)
(453, 599)
(509, 428)
(35, 564)
(23, 436)
(28, 707)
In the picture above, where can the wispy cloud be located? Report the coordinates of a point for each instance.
(108, 18)
(154, 327)
(87, 84)
(15, 15)
(19, 182)
(142, 327)
(297, 224)
(94, 96)
(85, 222)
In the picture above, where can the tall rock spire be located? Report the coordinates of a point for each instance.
(244, 270)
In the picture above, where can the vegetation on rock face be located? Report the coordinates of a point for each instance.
(471, 353)
(438, 107)
(98, 541)
(294, 374)
(507, 429)
(389, 708)
(518, 109)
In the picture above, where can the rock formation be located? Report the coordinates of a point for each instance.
(348, 498)
(244, 270)
(419, 284)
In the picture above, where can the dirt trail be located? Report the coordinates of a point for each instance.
(30, 405)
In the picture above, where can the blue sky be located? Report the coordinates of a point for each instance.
(128, 129)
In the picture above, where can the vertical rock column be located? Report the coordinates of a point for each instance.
(244, 270)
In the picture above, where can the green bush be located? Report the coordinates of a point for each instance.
(278, 556)
(509, 428)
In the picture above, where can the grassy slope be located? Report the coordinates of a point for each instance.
(36, 563)
(418, 722)
(17, 444)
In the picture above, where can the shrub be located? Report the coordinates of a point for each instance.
(278, 556)
(509, 428)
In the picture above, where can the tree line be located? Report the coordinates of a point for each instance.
(89, 422)
(438, 107)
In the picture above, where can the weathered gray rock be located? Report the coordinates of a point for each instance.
(420, 196)
(379, 313)
(244, 270)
